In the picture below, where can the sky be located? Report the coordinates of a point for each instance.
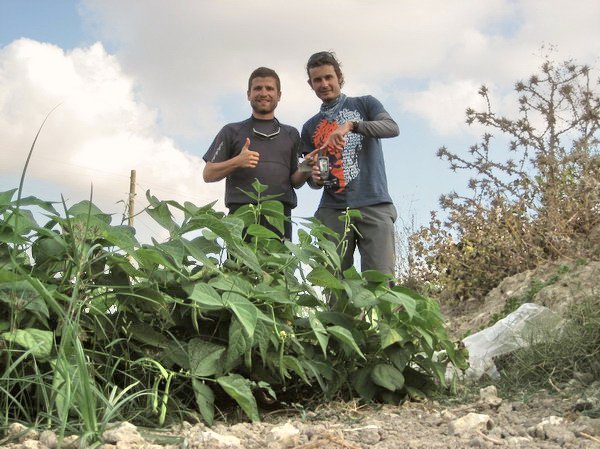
(146, 85)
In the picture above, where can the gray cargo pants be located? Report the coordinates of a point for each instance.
(376, 240)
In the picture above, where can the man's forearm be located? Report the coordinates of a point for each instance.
(382, 127)
(298, 178)
(215, 171)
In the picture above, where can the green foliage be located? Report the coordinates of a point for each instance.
(556, 358)
(541, 203)
(95, 326)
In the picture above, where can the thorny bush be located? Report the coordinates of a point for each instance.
(541, 203)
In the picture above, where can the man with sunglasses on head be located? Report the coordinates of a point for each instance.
(259, 147)
(347, 132)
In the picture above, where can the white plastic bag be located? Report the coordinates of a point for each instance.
(515, 331)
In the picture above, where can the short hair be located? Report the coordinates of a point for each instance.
(325, 58)
(264, 72)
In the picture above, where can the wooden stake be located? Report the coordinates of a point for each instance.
(131, 206)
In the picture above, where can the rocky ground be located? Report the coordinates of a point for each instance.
(567, 416)
(544, 420)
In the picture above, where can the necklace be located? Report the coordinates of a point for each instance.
(276, 130)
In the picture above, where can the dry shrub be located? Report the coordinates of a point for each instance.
(541, 204)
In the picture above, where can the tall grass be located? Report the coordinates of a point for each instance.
(553, 359)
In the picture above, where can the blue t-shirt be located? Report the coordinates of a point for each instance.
(278, 160)
(359, 167)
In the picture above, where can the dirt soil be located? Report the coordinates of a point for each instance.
(542, 421)
(566, 416)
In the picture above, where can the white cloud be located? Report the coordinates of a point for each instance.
(97, 134)
(443, 105)
(192, 59)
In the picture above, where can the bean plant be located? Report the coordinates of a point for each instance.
(96, 326)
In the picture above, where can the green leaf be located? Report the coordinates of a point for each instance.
(205, 399)
(232, 283)
(85, 208)
(346, 338)
(243, 309)
(205, 357)
(33, 201)
(238, 346)
(215, 225)
(238, 388)
(322, 277)
(147, 335)
(408, 303)
(359, 296)
(149, 256)
(39, 342)
(258, 187)
(8, 277)
(262, 337)
(353, 274)
(123, 237)
(426, 336)
(293, 364)
(207, 297)
(375, 276)
(22, 222)
(274, 214)
(272, 208)
(400, 357)
(260, 231)
(363, 384)
(49, 249)
(332, 253)
(387, 376)
(162, 215)
(246, 256)
(200, 248)
(388, 335)
(272, 294)
(6, 197)
(352, 213)
(25, 294)
(320, 332)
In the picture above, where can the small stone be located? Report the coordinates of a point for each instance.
(368, 435)
(539, 431)
(517, 441)
(15, 428)
(478, 442)
(31, 444)
(448, 415)
(505, 408)
(224, 441)
(587, 425)
(123, 432)
(470, 423)
(25, 433)
(489, 396)
(559, 434)
(286, 435)
(70, 442)
(49, 439)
